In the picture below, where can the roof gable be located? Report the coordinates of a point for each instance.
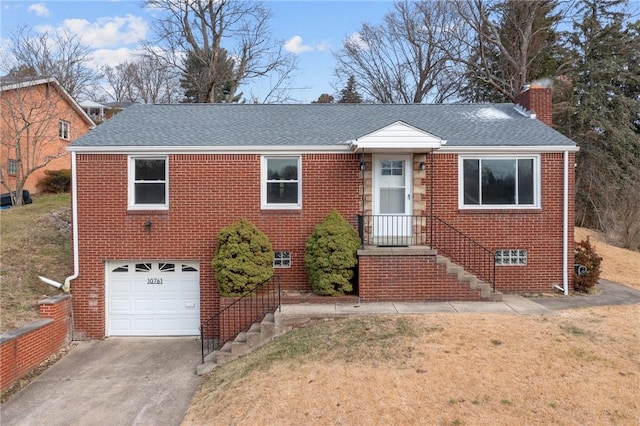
(7, 84)
(398, 136)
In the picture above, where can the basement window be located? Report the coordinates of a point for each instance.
(282, 259)
(511, 257)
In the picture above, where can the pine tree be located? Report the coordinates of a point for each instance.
(601, 111)
(350, 95)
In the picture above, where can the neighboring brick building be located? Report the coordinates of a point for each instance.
(40, 114)
(155, 185)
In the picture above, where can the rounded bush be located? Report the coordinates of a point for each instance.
(587, 271)
(55, 181)
(330, 255)
(243, 260)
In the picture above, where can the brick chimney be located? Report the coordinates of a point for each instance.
(537, 99)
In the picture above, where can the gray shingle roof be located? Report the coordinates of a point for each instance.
(217, 125)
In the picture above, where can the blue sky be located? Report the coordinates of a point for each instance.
(310, 29)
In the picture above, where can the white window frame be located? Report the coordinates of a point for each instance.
(282, 262)
(263, 184)
(64, 130)
(505, 257)
(537, 179)
(132, 182)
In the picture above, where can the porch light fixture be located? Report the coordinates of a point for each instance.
(363, 166)
(147, 225)
(423, 166)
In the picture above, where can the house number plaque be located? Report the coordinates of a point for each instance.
(154, 280)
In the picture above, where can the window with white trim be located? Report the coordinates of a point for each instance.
(282, 259)
(499, 182)
(148, 183)
(511, 257)
(63, 129)
(12, 167)
(281, 182)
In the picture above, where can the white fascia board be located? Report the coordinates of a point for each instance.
(250, 149)
(533, 149)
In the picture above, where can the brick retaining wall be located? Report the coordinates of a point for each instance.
(24, 348)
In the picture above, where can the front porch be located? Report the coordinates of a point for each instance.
(416, 258)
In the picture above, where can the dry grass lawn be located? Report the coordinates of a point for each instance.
(36, 240)
(576, 367)
(618, 264)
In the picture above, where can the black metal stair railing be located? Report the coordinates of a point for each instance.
(433, 232)
(238, 316)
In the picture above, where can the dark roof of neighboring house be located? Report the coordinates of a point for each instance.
(245, 125)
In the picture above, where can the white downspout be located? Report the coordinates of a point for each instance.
(74, 216)
(66, 286)
(565, 225)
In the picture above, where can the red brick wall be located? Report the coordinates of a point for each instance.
(538, 100)
(23, 349)
(409, 278)
(539, 231)
(49, 109)
(206, 193)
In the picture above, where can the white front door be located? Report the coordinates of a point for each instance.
(392, 205)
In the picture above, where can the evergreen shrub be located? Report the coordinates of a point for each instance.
(330, 255)
(585, 255)
(55, 181)
(243, 260)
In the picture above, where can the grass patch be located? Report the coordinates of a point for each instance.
(36, 240)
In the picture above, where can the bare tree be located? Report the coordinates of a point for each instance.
(154, 82)
(143, 80)
(28, 137)
(207, 28)
(509, 44)
(121, 79)
(54, 54)
(407, 59)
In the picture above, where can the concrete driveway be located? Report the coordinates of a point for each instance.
(610, 294)
(116, 381)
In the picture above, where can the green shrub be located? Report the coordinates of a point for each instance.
(330, 255)
(586, 256)
(243, 260)
(55, 182)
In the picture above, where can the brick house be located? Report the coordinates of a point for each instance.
(452, 202)
(39, 113)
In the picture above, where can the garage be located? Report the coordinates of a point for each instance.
(153, 298)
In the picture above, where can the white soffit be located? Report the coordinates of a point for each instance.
(397, 137)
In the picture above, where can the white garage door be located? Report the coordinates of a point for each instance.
(151, 298)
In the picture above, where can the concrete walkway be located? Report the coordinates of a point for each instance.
(511, 304)
(116, 381)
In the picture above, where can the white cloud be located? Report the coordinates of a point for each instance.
(39, 9)
(294, 45)
(109, 31)
(355, 40)
(112, 57)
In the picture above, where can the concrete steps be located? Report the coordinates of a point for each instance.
(473, 281)
(246, 341)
